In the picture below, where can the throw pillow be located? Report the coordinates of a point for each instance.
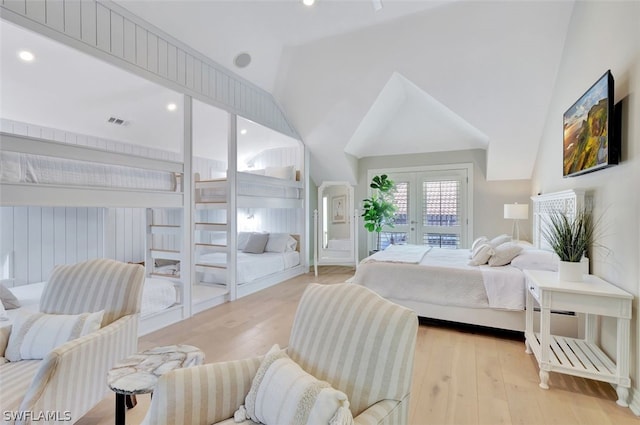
(277, 242)
(499, 240)
(35, 335)
(243, 238)
(504, 253)
(256, 243)
(479, 241)
(283, 393)
(536, 259)
(481, 255)
(8, 299)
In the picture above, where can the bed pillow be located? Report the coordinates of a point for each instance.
(35, 335)
(277, 242)
(257, 243)
(503, 254)
(479, 241)
(499, 240)
(287, 173)
(481, 255)
(3, 314)
(292, 243)
(9, 301)
(243, 238)
(536, 259)
(283, 393)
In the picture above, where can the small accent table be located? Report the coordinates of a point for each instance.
(139, 373)
(579, 357)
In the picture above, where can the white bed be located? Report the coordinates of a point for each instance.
(250, 267)
(157, 295)
(486, 296)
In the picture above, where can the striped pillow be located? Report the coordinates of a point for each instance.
(33, 336)
(283, 393)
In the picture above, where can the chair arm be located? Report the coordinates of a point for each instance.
(201, 395)
(385, 412)
(73, 377)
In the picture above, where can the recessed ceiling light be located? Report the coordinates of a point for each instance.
(242, 60)
(172, 107)
(26, 55)
(308, 2)
(243, 131)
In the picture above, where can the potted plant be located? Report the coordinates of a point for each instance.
(570, 238)
(378, 210)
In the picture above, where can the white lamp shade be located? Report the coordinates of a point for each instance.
(516, 211)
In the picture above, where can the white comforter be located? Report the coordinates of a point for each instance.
(443, 277)
(249, 266)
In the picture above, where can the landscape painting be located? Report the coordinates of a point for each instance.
(586, 130)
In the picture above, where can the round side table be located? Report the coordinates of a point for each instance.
(139, 373)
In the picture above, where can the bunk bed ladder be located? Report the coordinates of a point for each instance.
(211, 236)
(163, 258)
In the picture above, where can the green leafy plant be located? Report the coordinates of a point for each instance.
(378, 210)
(570, 237)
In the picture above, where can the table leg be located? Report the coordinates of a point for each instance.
(120, 408)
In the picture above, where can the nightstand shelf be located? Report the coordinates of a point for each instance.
(579, 357)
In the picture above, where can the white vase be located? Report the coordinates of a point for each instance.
(570, 272)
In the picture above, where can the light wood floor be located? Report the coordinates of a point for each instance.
(460, 376)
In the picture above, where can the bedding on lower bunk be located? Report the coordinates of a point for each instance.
(443, 276)
(38, 169)
(249, 267)
(157, 295)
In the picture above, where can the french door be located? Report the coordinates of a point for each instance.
(431, 208)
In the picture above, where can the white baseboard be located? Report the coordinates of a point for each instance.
(635, 401)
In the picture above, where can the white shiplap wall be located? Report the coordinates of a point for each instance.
(35, 239)
(110, 32)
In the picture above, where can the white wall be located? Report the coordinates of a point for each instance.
(603, 35)
(489, 196)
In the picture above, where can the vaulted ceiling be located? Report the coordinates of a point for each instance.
(415, 76)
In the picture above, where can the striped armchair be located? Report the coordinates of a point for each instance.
(344, 334)
(71, 379)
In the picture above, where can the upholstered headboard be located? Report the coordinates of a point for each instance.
(566, 201)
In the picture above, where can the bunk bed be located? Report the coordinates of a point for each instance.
(36, 172)
(440, 284)
(219, 260)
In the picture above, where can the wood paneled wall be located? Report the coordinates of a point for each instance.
(110, 32)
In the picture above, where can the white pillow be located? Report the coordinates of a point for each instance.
(3, 313)
(292, 243)
(481, 255)
(504, 253)
(277, 242)
(479, 241)
(536, 259)
(499, 240)
(283, 393)
(287, 173)
(35, 335)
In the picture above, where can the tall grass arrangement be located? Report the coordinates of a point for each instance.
(570, 237)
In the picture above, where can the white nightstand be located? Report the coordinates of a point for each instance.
(579, 357)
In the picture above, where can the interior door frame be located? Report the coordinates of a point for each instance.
(466, 236)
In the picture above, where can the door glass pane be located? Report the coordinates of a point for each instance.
(441, 240)
(401, 202)
(441, 206)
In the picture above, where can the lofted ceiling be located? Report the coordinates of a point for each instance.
(415, 76)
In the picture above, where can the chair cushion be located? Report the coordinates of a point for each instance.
(282, 393)
(16, 378)
(34, 335)
(94, 285)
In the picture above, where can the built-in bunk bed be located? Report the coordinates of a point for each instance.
(36, 172)
(269, 206)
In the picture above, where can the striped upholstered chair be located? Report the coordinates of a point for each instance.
(344, 334)
(71, 379)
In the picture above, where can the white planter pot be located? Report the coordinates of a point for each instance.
(570, 272)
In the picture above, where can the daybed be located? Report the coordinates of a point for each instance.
(65, 383)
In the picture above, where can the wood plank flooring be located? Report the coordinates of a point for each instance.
(461, 375)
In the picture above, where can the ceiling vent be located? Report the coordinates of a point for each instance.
(117, 121)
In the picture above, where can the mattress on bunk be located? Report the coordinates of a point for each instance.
(250, 267)
(18, 167)
(157, 295)
(256, 185)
